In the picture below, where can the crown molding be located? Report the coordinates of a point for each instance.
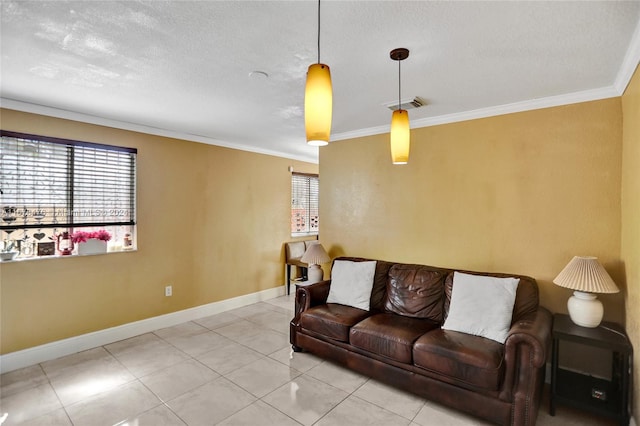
(123, 125)
(548, 102)
(629, 63)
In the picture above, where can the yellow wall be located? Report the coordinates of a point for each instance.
(519, 193)
(211, 222)
(630, 252)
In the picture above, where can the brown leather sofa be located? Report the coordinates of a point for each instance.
(501, 383)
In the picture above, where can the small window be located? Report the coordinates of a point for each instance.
(49, 186)
(304, 204)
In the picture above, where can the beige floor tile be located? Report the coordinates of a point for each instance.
(79, 376)
(259, 413)
(286, 303)
(185, 329)
(262, 376)
(305, 399)
(301, 361)
(258, 338)
(399, 402)
(237, 330)
(55, 418)
(432, 413)
(157, 416)
(276, 321)
(256, 308)
(21, 380)
(197, 344)
(211, 403)
(114, 406)
(142, 355)
(266, 341)
(338, 376)
(214, 322)
(59, 366)
(133, 343)
(178, 379)
(355, 411)
(229, 357)
(28, 404)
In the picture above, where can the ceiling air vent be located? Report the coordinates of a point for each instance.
(406, 105)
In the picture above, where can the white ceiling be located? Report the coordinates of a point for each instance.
(182, 68)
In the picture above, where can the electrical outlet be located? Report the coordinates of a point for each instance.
(168, 291)
(598, 394)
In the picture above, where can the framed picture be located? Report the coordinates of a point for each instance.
(46, 249)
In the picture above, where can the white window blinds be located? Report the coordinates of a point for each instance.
(304, 203)
(48, 183)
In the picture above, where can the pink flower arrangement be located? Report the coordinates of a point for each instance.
(82, 236)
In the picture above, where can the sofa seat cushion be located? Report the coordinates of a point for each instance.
(468, 359)
(332, 320)
(390, 335)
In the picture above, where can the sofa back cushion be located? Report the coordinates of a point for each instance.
(415, 291)
(526, 296)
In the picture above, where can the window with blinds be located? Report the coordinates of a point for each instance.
(304, 204)
(58, 183)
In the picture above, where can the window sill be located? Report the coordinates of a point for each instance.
(304, 234)
(59, 256)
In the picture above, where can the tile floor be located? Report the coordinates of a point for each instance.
(234, 368)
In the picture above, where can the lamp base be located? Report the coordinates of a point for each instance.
(585, 309)
(315, 274)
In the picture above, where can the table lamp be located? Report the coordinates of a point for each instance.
(315, 256)
(586, 276)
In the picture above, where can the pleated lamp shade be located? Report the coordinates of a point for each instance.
(586, 274)
(315, 256)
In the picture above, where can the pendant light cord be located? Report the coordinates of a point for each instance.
(399, 84)
(318, 31)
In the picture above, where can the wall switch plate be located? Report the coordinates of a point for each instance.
(168, 291)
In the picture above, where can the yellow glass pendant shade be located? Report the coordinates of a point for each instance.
(318, 105)
(400, 137)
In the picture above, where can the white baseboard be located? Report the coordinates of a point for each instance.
(37, 354)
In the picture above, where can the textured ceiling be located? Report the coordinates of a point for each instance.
(182, 68)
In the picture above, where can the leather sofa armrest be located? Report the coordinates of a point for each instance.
(306, 297)
(311, 295)
(525, 355)
(533, 330)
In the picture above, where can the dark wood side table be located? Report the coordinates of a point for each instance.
(583, 391)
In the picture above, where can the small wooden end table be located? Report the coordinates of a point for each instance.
(609, 398)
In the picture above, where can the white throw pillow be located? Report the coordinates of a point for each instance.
(351, 283)
(481, 305)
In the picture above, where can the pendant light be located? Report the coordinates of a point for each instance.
(400, 134)
(318, 100)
